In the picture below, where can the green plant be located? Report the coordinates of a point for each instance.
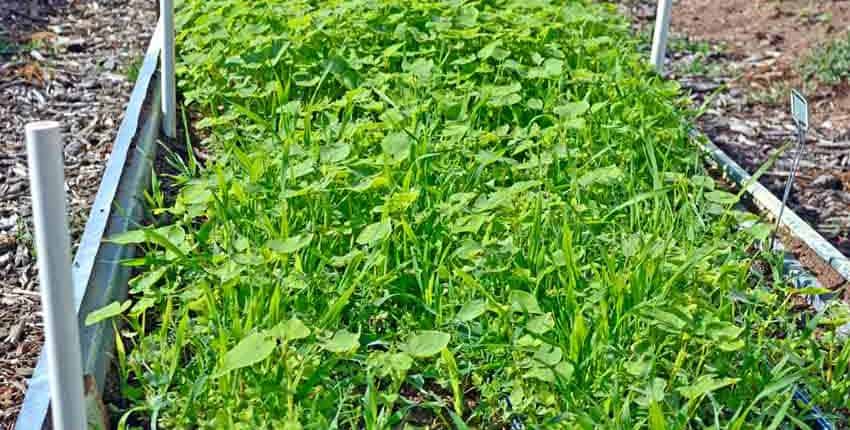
(830, 63)
(775, 94)
(415, 210)
(133, 68)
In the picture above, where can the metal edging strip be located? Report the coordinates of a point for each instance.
(765, 200)
(114, 210)
(793, 269)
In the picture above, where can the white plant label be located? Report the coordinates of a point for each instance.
(800, 110)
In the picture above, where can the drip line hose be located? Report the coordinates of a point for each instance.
(817, 415)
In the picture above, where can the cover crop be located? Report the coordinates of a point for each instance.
(450, 214)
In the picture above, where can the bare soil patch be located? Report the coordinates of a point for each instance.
(771, 38)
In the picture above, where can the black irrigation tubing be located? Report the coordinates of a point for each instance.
(802, 279)
(516, 421)
(821, 421)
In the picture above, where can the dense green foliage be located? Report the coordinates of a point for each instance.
(830, 63)
(450, 214)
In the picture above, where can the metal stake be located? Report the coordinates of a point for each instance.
(169, 86)
(61, 333)
(659, 38)
(800, 114)
(801, 137)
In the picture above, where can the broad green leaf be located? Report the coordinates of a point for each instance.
(467, 17)
(541, 373)
(503, 95)
(541, 324)
(426, 343)
(374, 233)
(397, 145)
(535, 104)
(563, 371)
(147, 280)
(291, 244)
(129, 237)
(553, 67)
(487, 51)
(524, 302)
(141, 306)
(731, 345)
(335, 153)
(760, 231)
(665, 319)
(421, 68)
(655, 391)
(638, 368)
(603, 175)
(471, 310)
(469, 250)
(369, 183)
(572, 110)
(196, 194)
(251, 350)
(702, 181)
(399, 202)
(548, 355)
(724, 330)
(469, 224)
(390, 363)
(111, 310)
(486, 157)
(293, 329)
(721, 197)
(705, 384)
(342, 342)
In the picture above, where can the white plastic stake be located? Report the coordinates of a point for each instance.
(169, 87)
(659, 38)
(61, 333)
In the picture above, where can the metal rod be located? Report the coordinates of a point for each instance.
(789, 183)
(659, 38)
(61, 332)
(169, 84)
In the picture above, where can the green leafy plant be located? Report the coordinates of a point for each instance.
(449, 215)
(830, 63)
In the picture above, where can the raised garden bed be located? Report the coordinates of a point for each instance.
(455, 216)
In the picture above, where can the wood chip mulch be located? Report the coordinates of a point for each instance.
(72, 61)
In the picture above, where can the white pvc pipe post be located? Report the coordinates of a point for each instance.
(659, 38)
(169, 87)
(61, 334)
